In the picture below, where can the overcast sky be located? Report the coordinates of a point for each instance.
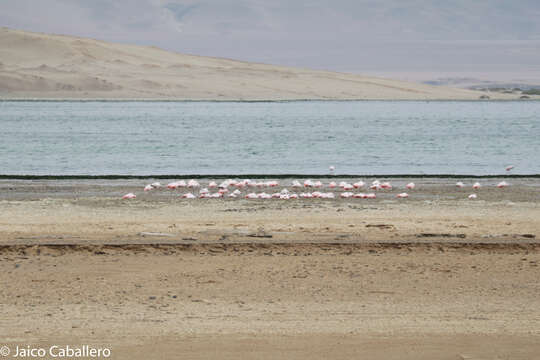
(365, 36)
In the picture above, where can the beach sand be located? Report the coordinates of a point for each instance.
(434, 276)
(45, 66)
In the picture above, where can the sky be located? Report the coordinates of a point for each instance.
(445, 37)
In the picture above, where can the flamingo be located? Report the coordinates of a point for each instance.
(410, 186)
(204, 191)
(476, 185)
(129, 196)
(148, 187)
(171, 186)
(308, 183)
(472, 196)
(332, 168)
(370, 196)
(346, 195)
(386, 185)
(332, 185)
(359, 184)
(402, 195)
(296, 184)
(459, 184)
(188, 196)
(348, 187)
(293, 196)
(502, 184)
(192, 184)
(155, 184)
(251, 196)
(510, 167)
(375, 185)
(212, 184)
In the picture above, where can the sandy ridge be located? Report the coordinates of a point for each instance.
(43, 66)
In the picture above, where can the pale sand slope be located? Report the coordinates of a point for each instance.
(34, 65)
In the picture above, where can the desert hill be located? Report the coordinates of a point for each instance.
(35, 65)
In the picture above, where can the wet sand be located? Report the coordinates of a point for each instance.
(434, 276)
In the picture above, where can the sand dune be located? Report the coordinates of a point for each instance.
(34, 65)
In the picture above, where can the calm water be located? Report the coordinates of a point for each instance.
(367, 137)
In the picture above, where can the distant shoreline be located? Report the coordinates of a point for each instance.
(258, 101)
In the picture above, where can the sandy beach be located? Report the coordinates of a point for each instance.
(433, 276)
(45, 66)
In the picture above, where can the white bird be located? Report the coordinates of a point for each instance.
(459, 184)
(188, 196)
(212, 184)
(472, 196)
(410, 186)
(332, 185)
(402, 195)
(510, 167)
(476, 185)
(155, 184)
(332, 168)
(148, 187)
(129, 196)
(296, 184)
(502, 184)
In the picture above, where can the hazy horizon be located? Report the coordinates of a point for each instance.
(422, 40)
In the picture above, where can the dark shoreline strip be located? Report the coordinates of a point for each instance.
(240, 248)
(261, 176)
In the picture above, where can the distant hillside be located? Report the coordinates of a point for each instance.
(34, 65)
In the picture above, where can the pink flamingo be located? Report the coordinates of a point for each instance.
(476, 185)
(332, 185)
(129, 196)
(402, 195)
(502, 184)
(410, 186)
(508, 168)
(148, 188)
(459, 184)
(472, 196)
(359, 184)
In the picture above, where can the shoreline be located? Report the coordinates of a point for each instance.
(232, 100)
(262, 176)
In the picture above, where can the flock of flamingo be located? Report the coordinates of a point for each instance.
(234, 189)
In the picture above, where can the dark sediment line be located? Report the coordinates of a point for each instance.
(260, 176)
(262, 248)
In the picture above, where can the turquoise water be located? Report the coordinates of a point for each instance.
(360, 137)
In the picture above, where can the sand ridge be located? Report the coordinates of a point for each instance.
(44, 66)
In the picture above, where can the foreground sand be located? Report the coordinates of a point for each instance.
(43, 66)
(435, 276)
